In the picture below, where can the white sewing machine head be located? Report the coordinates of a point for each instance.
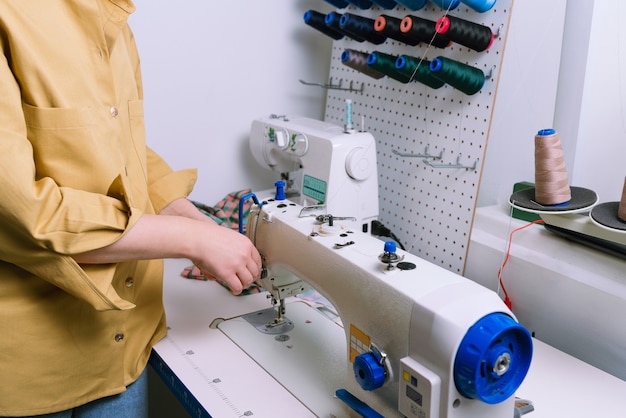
(420, 341)
(324, 165)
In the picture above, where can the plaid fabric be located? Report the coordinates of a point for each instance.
(193, 272)
(225, 213)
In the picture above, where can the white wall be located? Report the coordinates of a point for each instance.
(590, 106)
(601, 142)
(210, 68)
(526, 96)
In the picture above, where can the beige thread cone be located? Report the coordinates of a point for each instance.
(621, 212)
(551, 183)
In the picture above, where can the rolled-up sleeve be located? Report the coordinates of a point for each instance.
(166, 185)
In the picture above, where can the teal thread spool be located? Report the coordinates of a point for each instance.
(386, 64)
(418, 71)
(461, 76)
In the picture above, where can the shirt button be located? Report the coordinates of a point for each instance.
(114, 112)
(130, 282)
(119, 337)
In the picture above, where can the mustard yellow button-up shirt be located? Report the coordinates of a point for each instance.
(75, 174)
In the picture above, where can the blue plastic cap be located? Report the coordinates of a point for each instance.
(546, 132)
(307, 16)
(372, 58)
(330, 17)
(343, 20)
(436, 64)
(280, 190)
(390, 247)
(368, 372)
(447, 4)
(400, 62)
(493, 359)
(345, 56)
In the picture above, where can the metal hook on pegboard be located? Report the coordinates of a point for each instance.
(425, 154)
(338, 86)
(457, 165)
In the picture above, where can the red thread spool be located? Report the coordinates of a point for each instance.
(423, 30)
(463, 32)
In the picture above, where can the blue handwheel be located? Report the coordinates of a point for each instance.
(493, 359)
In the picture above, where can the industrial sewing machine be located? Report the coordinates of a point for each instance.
(409, 338)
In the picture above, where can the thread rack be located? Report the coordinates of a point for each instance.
(431, 143)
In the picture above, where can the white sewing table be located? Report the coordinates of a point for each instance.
(212, 377)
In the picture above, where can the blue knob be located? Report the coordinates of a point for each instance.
(493, 359)
(368, 371)
(280, 190)
(390, 247)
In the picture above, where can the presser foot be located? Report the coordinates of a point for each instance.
(267, 322)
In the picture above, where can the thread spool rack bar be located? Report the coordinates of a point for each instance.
(431, 143)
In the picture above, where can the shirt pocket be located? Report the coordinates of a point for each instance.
(66, 148)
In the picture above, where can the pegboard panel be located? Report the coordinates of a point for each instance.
(429, 208)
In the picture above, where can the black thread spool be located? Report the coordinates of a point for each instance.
(413, 4)
(357, 60)
(386, 64)
(472, 35)
(461, 76)
(332, 21)
(418, 29)
(418, 70)
(362, 27)
(340, 4)
(361, 4)
(316, 20)
(385, 4)
(389, 26)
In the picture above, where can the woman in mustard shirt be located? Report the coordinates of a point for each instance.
(86, 213)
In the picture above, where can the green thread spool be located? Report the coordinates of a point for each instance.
(461, 76)
(386, 64)
(418, 70)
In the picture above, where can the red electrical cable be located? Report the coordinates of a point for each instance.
(507, 300)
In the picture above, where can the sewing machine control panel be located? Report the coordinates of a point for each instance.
(419, 390)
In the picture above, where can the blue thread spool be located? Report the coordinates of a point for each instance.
(340, 4)
(412, 4)
(385, 4)
(480, 6)
(362, 4)
(447, 4)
